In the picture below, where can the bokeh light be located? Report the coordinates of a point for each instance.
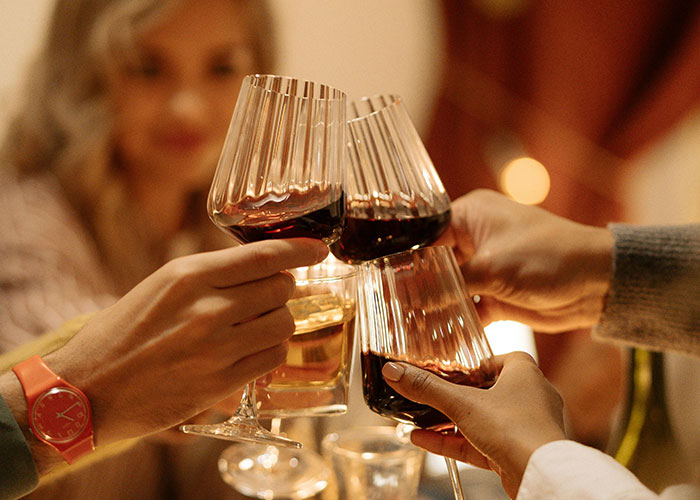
(525, 180)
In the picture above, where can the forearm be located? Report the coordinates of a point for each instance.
(47, 460)
(654, 299)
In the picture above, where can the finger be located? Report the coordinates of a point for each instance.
(222, 308)
(261, 333)
(424, 387)
(452, 446)
(447, 238)
(254, 298)
(253, 261)
(256, 365)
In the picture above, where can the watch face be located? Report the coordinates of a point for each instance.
(60, 415)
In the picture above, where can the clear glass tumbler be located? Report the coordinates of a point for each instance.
(374, 463)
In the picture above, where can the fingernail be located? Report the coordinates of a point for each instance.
(393, 372)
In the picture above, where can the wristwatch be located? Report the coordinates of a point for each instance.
(59, 413)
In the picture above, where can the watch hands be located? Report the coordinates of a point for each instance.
(61, 413)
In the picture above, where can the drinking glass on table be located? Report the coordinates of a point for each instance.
(414, 307)
(394, 197)
(280, 175)
(312, 382)
(374, 463)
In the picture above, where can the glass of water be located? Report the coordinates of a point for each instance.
(374, 463)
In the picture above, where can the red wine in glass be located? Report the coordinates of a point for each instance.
(367, 238)
(384, 400)
(284, 215)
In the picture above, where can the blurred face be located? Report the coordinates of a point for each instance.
(173, 104)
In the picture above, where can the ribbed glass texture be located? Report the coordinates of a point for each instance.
(390, 174)
(414, 306)
(286, 135)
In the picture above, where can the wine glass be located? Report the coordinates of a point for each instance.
(414, 307)
(280, 175)
(313, 381)
(394, 197)
(281, 171)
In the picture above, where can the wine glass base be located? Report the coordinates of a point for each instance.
(240, 431)
(270, 472)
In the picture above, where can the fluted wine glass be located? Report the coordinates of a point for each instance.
(281, 171)
(280, 175)
(414, 307)
(394, 197)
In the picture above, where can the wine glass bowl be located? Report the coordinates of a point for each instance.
(281, 171)
(395, 199)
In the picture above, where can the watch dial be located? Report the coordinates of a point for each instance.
(60, 415)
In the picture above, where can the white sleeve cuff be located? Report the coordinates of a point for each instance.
(564, 470)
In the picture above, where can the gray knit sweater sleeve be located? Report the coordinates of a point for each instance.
(654, 299)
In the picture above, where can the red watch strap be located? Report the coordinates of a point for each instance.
(78, 450)
(35, 376)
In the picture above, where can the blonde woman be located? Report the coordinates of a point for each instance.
(103, 172)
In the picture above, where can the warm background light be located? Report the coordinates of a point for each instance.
(525, 180)
(509, 336)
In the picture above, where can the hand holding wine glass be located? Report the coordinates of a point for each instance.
(557, 272)
(503, 426)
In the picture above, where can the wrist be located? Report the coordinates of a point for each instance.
(598, 262)
(57, 412)
(528, 448)
(73, 366)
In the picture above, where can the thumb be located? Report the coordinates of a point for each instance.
(427, 388)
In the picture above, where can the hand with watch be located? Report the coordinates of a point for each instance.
(184, 339)
(59, 413)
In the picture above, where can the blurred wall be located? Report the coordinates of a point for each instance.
(363, 47)
(21, 26)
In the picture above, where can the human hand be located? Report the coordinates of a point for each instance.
(186, 337)
(528, 264)
(500, 427)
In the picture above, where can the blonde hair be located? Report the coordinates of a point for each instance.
(64, 125)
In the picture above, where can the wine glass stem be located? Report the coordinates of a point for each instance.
(454, 478)
(246, 408)
(275, 425)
